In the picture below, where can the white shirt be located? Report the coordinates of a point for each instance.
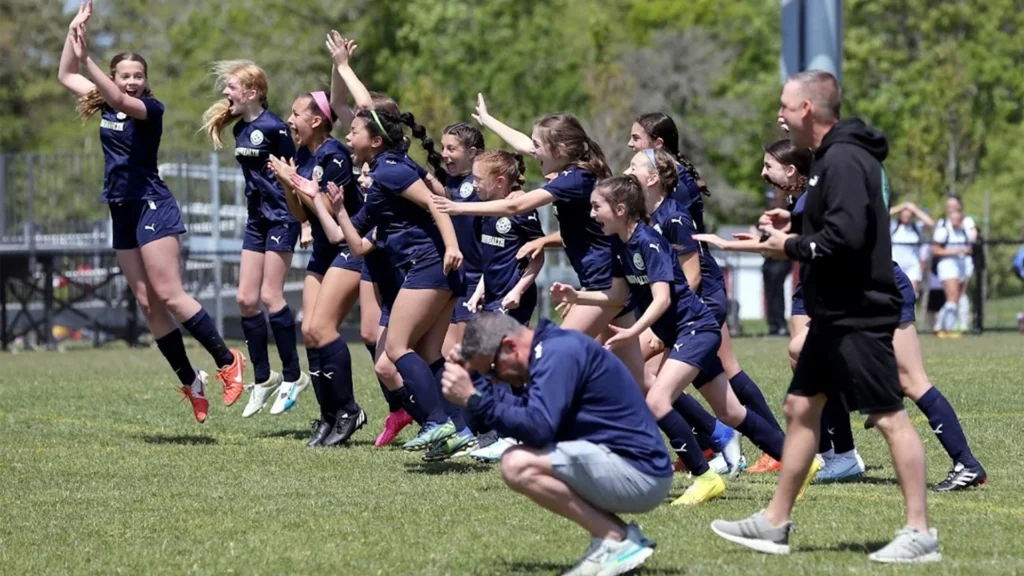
(906, 243)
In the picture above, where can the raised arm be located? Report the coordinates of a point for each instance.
(111, 94)
(67, 71)
(344, 82)
(516, 139)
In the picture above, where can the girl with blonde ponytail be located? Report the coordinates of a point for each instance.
(145, 217)
(271, 231)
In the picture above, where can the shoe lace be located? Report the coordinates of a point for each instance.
(314, 424)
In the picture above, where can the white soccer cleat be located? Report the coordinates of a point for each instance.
(260, 393)
(289, 393)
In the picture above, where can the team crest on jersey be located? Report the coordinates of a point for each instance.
(638, 262)
(318, 173)
(503, 225)
(121, 115)
(466, 190)
(256, 137)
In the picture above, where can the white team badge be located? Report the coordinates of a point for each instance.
(503, 225)
(466, 190)
(318, 173)
(638, 262)
(256, 137)
(812, 181)
(121, 115)
(538, 351)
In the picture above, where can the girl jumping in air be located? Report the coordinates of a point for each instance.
(145, 216)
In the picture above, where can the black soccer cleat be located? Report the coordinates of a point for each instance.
(961, 478)
(344, 428)
(318, 431)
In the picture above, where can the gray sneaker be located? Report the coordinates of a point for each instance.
(910, 546)
(755, 533)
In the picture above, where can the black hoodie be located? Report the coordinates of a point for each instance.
(847, 276)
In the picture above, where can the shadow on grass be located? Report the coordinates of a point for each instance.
(439, 468)
(535, 567)
(179, 440)
(297, 434)
(860, 547)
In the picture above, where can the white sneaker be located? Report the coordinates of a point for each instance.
(289, 393)
(611, 558)
(732, 454)
(718, 464)
(260, 393)
(493, 451)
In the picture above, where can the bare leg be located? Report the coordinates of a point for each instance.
(803, 417)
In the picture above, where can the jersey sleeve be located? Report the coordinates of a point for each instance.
(393, 178)
(366, 218)
(338, 169)
(678, 230)
(283, 142)
(554, 378)
(658, 258)
(569, 185)
(154, 109)
(528, 226)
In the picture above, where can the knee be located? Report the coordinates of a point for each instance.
(516, 468)
(793, 408)
(659, 404)
(795, 345)
(319, 333)
(368, 334)
(385, 369)
(247, 302)
(273, 300)
(890, 422)
(394, 350)
(308, 338)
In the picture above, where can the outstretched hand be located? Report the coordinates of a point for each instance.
(80, 43)
(481, 109)
(306, 186)
(83, 15)
(341, 49)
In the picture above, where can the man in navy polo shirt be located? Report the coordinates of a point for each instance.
(589, 445)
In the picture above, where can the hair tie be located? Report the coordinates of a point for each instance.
(379, 125)
(650, 156)
(323, 104)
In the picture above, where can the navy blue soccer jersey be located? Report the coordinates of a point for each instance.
(687, 193)
(500, 239)
(648, 258)
(130, 148)
(462, 189)
(406, 230)
(332, 162)
(586, 245)
(254, 143)
(673, 221)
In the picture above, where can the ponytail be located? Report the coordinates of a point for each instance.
(521, 166)
(593, 160)
(216, 117)
(701, 185)
(418, 131)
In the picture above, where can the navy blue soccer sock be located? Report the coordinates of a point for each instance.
(202, 328)
(282, 324)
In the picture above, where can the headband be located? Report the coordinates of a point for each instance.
(321, 102)
(379, 125)
(650, 156)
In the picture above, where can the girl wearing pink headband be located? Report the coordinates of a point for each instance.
(271, 230)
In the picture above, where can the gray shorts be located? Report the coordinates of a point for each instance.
(605, 479)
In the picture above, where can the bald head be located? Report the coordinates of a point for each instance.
(822, 91)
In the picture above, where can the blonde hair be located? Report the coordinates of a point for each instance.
(219, 115)
(503, 163)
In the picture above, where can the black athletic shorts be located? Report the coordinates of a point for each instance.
(857, 367)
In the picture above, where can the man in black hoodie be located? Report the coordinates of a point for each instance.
(842, 241)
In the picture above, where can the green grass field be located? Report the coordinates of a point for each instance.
(103, 470)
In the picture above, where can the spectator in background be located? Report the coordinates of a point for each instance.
(952, 248)
(774, 273)
(907, 234)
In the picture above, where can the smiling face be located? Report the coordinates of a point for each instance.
(550, 160)
(640, 166)
(130, 77)
(237, 94)
(488, 185)
(612, 218)
(363, 144)
(457, 159)
(795, 115)
(775, 173)
(639, 139)
(303, 122)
